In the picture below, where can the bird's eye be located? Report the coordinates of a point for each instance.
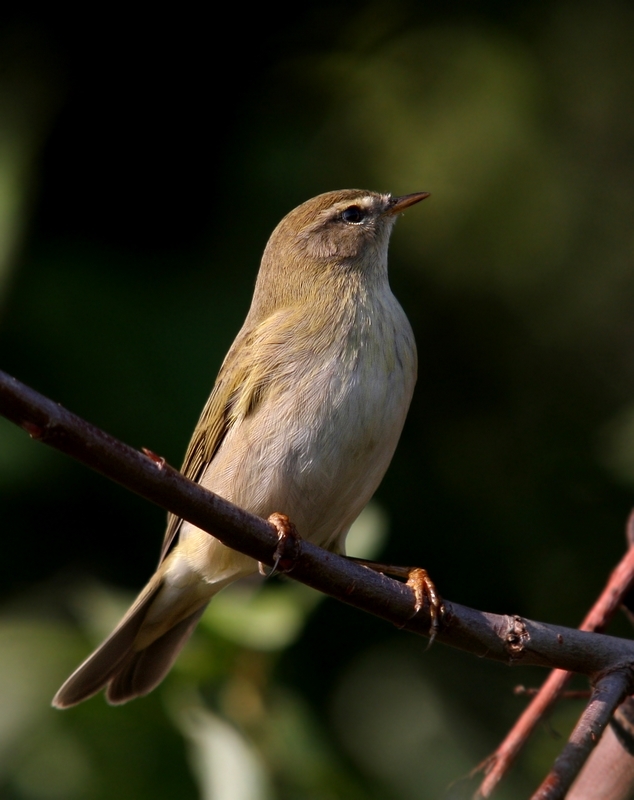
(353, 214)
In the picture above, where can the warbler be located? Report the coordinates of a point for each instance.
(303, 419)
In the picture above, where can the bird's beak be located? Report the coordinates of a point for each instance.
(398, 204)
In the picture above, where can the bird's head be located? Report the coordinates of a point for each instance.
(329, 237)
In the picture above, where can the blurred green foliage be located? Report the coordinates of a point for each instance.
(142, 167)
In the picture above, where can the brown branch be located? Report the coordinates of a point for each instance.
(510, 639)
(618, 585)
(513, 640)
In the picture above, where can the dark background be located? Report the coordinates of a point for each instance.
(144, 160)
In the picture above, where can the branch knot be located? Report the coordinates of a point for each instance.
(517, 638)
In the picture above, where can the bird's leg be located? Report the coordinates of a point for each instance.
(421, 585)
(287, 550)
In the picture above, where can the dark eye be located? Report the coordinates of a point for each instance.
(353, 214)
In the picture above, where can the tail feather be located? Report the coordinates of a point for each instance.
(140, 651)
(141, 671)
(116, 663)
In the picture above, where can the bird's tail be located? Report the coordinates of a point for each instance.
(132, 661)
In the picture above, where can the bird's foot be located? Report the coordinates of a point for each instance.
(288, 544)
(421, 585)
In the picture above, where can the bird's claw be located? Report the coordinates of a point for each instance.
(422, 585)
(288, 545)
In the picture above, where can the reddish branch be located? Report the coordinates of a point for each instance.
(510, 639)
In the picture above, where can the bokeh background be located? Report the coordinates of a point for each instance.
(144, 159)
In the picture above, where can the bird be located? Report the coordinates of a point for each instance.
(303, 420)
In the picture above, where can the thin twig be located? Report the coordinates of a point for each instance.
(578, 694)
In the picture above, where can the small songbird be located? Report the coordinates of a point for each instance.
(303, 420)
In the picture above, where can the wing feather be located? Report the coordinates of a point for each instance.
(238, 392)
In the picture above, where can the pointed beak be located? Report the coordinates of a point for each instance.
(398, 204)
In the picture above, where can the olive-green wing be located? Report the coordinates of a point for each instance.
(240, 387)
(210, 430)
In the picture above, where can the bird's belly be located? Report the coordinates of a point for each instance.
(317, 453)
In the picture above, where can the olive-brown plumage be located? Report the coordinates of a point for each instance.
(303, 419)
